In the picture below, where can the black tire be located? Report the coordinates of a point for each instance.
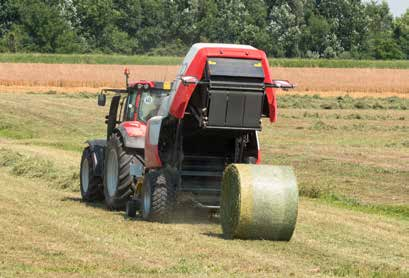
(117, 190)
(159, 188)
(132, 206)
(90, 185)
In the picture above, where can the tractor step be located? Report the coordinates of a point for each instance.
(202, 174)
(204, 206)
(200, 190)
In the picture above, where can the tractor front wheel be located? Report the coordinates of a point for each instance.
(117, 178)
(158, 196)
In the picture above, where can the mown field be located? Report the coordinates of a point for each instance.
(351, 157)
(166, 60)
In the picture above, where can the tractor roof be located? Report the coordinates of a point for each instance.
(221, 45)
(166, 85)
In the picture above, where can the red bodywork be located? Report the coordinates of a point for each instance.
(152, 159)
(134, 128)
(197, 67)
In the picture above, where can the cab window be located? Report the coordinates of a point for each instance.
(130, 108)
(150, 103)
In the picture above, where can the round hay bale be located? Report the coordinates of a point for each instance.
(259, 202)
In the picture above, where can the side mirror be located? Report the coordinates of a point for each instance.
(187, 80)
(283, 84)
(102, 99)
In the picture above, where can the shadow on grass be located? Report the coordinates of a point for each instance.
(187, 214)
(95, 204)
(215, 235)
(183, 214)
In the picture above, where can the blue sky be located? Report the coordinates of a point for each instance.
(398, 7)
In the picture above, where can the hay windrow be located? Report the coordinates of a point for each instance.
(35, 167)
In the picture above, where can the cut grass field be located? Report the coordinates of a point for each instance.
(351, 162)
(167, 60)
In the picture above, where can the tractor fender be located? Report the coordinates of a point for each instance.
(97, 148)
(133, 134)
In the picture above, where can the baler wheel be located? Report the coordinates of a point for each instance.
(89, 183)
(259, 202)
(117, 178)
(158, 196)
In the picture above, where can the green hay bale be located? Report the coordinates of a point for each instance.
(259, 202)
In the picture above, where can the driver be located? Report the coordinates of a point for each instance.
(156, 101)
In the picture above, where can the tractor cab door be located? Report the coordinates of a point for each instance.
(131, 106)
(111, 118)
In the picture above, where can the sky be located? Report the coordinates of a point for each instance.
(398, 7)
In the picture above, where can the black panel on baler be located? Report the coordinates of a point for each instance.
(252, 111)
(236, 91)
(217, 113)
(235, 109)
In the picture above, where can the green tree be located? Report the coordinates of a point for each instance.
(283, 28)
(381, 43)
(348, 24)
(401, 33)
(285, 31)
(39, 27)
(316, 35)
(254, 25)
(8, 15)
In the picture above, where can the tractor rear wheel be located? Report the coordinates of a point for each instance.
(158, 196)
(89, 183)
(117, 178)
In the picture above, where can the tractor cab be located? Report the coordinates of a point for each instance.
(144, 99)
(131, 108)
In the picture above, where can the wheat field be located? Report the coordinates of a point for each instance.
(91, 78)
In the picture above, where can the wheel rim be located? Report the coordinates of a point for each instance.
(85, 175)
(112, 173)
(146, 202)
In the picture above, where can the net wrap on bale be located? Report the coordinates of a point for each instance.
(259, 202)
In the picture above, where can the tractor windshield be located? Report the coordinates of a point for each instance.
(150, 103)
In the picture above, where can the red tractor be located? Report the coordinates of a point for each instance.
(198, 139)
(105, 163)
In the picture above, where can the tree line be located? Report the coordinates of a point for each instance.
(283, 28)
